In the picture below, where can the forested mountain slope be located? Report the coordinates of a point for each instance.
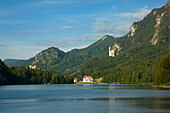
(70, 62)
(151, 32)
(142, 49)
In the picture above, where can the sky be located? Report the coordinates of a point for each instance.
(29, 26)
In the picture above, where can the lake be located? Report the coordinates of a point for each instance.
(84, 98)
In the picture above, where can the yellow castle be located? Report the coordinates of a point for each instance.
(32, 66)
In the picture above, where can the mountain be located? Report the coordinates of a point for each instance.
(70, 62)
(152, 30)
(152, 33)
(74, 59)
(16, 62)
(48, 57)
(137, 63)
(11, 62)
(141, 51)
(3, 73)
(6, 77)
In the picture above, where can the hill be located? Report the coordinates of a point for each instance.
(26, 75)
(74, 59)
(147, 40)
(141, 51)
(6, 77)
(70, 62)
(11, 62)
(153, 29)
(48, 57)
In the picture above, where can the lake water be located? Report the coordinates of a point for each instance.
(84, 98)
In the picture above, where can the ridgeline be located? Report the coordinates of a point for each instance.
(139, 55)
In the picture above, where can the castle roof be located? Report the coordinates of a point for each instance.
(87, 77)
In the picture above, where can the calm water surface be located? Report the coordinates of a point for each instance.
(106, 98)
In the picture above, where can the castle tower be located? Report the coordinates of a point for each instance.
(111, 52)
(114, 51)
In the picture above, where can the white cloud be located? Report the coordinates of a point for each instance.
(107, 26)
(49, 2)
(20, 51)
(44, 30)
(68, 27)
(102, 19)
(53, 2)
(76, 41)
(121, 27)
(32, 31)
(135, 16)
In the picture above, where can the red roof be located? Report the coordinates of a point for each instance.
(87, 77)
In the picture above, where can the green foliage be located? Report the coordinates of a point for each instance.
(48, 57)
(74, 59)
(163, 71)
(6, 77)
(38, 76)
(12, 62)
(70, 62)
(23, 75)
(136, 66)
(138, 59)
(15, 62)
(146, 30)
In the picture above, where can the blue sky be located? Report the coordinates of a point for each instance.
(29, 26)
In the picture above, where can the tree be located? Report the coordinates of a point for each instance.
(163, 71)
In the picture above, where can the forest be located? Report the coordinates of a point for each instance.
(163, 71)
(25, 75)
(137, 66)
(141, 59)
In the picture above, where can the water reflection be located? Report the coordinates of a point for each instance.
(80, 86)
(84, 98)
(147, 103)
(88, 99)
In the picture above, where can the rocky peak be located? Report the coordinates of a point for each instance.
(151, 28)
(104, 37)
(132, 30)
(155, 37)
(167, 3)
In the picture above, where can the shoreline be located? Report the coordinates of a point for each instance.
(162, 86)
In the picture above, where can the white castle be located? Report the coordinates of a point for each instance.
(111, 52)
(114, 51)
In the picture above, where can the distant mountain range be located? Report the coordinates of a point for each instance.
(146, 41)
(67, 63)
(11, 62)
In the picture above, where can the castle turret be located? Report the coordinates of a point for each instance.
(111, 52)
(114, 51)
